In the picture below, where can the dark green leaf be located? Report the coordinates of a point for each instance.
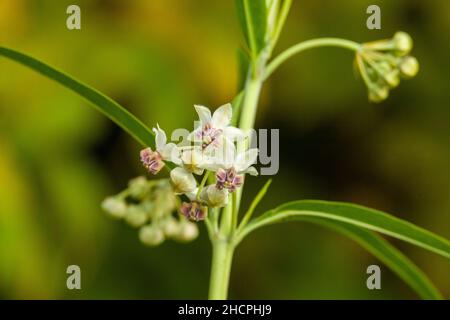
(106, 105)
(354, 215)
(386, 253)
(243, 68)
(252, 15)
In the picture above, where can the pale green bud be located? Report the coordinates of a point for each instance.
(378, 93)
(214, 197)
(135, 216)
(171, 228)
(403, 43)
(182, 180)
(409, 67)
(392, 78)
(138, 187)
(188, 232)
(151, 235)
(115, 207)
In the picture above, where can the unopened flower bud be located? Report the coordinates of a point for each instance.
(409, 66)
(392, 78)
(403, 43)
(135, 216)
(194, 211)
(151, 235)
(114, 206)
(171, 228)
(151, 160)
(214, 197)
(188, 232)
(182, 180)
(138, 187)
(378, 93)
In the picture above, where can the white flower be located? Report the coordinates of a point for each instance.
(193, 159)
(227, 157)
(230, 167)
(213, 129)
(153, 161)
(183, 181)
(168, 151)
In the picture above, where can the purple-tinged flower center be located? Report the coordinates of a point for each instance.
(229, 179)
(193, 211)
(151, 160)
(209, 135)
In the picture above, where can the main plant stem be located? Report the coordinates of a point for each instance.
(223, 243)
(220, 269)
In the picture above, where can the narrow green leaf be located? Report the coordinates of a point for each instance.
(237, 104)
(255, 203)
(101, 102)
(243, 68)
(386, 253)
(253, 18)
(242, 21)
(354, 215)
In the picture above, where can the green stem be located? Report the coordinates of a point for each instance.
(250, 105)
(252, 91)
(220, 269)
(309, 44)
(202, 184)
(223, 244)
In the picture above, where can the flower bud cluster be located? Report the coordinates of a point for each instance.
(383, 63)
(150, 205)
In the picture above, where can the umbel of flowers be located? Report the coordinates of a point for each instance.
(382, 63)
(203, 174)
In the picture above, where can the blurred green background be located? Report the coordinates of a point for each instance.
(59, 158)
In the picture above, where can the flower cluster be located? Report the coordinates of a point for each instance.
(149, 205)
(382, 63)
(216, 150)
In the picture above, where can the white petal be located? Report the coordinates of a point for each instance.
(251, 171)
(160, 138)
(233, 133)
(171, 153)
(225, 153)
(196, 135)
(192, 195)
(222, 116)
(245, 159)
(183, 181)
(193, 159)
(204, 114)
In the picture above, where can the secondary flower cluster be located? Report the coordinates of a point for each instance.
(216, 150)
(149, 205)
(382, 63)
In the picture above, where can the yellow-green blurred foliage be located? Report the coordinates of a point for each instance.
(59, 158)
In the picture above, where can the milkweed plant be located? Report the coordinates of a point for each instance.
(201, 179)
